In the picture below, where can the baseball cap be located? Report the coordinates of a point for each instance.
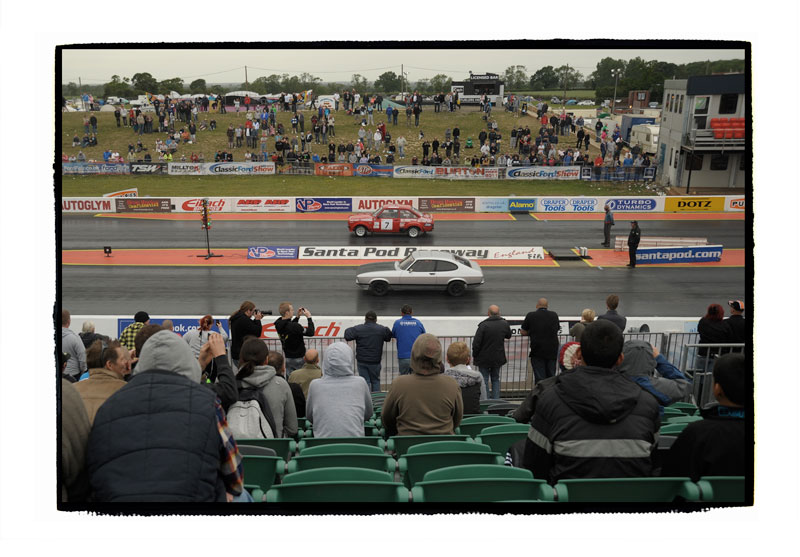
(738, 305)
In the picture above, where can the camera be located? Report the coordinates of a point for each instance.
(263, 312)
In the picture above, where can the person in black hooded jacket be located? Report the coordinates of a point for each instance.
(245, 321)
(593, 422)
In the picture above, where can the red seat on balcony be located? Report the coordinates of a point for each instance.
(728, 134)
(738, 134)
(719, 134)
(713, 123)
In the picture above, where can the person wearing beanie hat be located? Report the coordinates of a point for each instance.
(425, 402)
(716, 445)
(128, 336)
(736, 323)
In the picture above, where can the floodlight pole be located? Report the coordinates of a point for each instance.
(615, 73)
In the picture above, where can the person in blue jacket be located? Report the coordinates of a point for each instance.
(406, 330)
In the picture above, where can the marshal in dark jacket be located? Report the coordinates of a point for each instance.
(369, 337)
(488, 346)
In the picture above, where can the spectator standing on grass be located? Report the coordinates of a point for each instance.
(369, 338)
(611, 314)
(255, 373)
(339, 403)
(542, 327)
(488, 349)
(426, 402)
(593, 422)
(406, 330)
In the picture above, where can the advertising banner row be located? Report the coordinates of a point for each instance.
(481, 253)
(122, 203)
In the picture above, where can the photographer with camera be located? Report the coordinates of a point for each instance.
(291, 334)
(245, 321)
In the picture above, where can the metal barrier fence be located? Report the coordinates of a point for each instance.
(697, 361)
(516, 377)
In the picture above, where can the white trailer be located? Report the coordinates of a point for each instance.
(645, 135)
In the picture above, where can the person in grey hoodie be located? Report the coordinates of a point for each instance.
(339, 403)
(254, 373)
(641, 362)
(72, 344)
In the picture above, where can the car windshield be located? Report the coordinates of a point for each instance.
(376, 211)
(405, 263)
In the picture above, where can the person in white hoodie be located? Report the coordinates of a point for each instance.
(254, 373)
(339, 403)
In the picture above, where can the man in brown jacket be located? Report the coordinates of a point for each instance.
(108, 368)
(306, 374)
(425, 402)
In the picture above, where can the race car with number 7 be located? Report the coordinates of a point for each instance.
(391, 218)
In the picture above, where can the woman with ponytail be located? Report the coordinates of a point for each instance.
(244, 321)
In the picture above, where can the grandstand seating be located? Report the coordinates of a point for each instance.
(479, 483)
(473, 426)
(626, 490)
(260, 472)
(339, 484)
(501, 409)
(283, 446)
(255, 450)
(345, 457)
(501, 437)
(486, 403)
(682, 419)
(399, 444)
(686, 407)
(424, 457)
(316, 441)
(722, 489)
(673, 429)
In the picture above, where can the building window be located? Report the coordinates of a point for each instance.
(700, 122)
(670, 156)
(701, 105)
(719, 162)
(640, 96)
(728, 103)
(680, 108)
(742, 163)
(694, 162)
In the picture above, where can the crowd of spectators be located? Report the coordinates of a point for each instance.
(598, 395)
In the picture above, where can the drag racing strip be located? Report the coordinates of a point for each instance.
(237, 258)
(629, 216)
(296, 216)
(613, 258)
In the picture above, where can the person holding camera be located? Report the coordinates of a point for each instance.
(291, 334)
(245, 321)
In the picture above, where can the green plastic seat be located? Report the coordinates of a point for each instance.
(501, 409)
(283, 446)
(672, 429)
(399, 444)
(339, 484)
(479, 483)
(626, 490)
(501, 440)
(304, 424)
(473, 426)
(351, 460)
(425, 457)
(682, 419)
(722, 489)
(673, 412)
(343, 448)
(490, 402)
(686, 407)
(317, 441)
(261, 471)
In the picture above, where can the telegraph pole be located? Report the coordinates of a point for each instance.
(246, 84)
(615, 74)
(564, 99)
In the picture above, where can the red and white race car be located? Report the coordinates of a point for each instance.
(391, 218)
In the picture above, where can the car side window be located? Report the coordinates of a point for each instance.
(424, 266)
(389, 214)
(445, 266)
(407, 215)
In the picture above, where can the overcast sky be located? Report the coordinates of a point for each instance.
(95, 66)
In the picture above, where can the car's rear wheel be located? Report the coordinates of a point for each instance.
(360, 231)
(456, 288)
(379, 287)
(413, 232)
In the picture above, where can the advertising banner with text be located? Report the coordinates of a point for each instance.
(447, 204)
(362, 204)
(262, 204)
(373, 170)
(526, 253)
(333, 169)
(88, 205)
(94, 168)
(694, 204)
(543, 173)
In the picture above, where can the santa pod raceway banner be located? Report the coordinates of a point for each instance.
(448, 172)
(543, 173)
(479, 253)
(94, 168)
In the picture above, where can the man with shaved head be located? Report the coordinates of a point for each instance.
(542, 327)
(306, 374)
(489, 350)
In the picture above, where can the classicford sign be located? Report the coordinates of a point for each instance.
(413, 171)
(544, 173)
(447, 204)
(372, 203)
(218, 168)
(398, 252)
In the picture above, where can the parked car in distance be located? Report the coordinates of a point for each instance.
(421, 270)
(587, 102)
(653, 105)
(391, 218)
(555, 100)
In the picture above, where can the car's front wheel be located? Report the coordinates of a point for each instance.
(360, 231)
(413, 232)
(379, 287)
(456, 288)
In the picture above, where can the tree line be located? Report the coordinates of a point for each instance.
(635, 74)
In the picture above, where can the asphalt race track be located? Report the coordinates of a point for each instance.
(330, 290)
